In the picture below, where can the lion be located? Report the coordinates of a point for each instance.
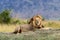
(23, 28)
(36, 21)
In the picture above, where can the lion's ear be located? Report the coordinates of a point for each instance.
(30, 20)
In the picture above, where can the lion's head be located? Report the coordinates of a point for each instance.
(36, 21)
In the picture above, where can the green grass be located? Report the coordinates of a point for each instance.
(37, 35)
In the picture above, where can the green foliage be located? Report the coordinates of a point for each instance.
(23, 21)
(16, 22)
(5, 16)
(37, 35)
(43, 18)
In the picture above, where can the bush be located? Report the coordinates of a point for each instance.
(5, 16)
(16, 22)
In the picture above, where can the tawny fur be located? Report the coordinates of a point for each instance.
(24, 28)
(36, 21)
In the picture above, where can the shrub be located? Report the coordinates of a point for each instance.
(5, 16)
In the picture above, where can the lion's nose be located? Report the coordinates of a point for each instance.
(39, 27)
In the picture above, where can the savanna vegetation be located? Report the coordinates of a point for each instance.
(37, 35)
(8, 24)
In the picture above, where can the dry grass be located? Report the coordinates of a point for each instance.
(53, 24)
(11, 27)
(7, 28)
(37, 35)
